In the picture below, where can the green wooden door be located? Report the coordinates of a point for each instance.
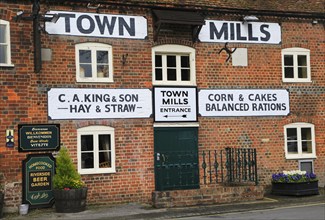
(176, 158)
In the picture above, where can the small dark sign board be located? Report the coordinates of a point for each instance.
(38, 137)
(38, 172)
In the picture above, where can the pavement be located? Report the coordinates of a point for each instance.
(143, 211)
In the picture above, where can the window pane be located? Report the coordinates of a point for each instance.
(302, 72)
(102, 57)
(288, 60)
(2, 33)
(185, 61)
(291, 134)
(306, 134)
(105, 159)
(158, 74)
(171, 74)
(85, 70)
(102, 71)
(104, 142)
(87, 160)
(292, 147)
(84, 56)
(302, 60)
(87, 143)
(3, 54)
(185, 75)
(306, 147)
(171, 61)
(288, 72)
(158, 61)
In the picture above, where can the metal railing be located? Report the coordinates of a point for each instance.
(231, 165)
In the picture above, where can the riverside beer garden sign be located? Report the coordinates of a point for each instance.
(38, 171)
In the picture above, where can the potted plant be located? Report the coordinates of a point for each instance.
(69, 190)
(296, 182)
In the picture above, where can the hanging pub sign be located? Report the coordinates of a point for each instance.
(244, 102)
(38, 172)
(240, 32)
(72, 103)
(175, 104)
(97, 25)
(38, 137)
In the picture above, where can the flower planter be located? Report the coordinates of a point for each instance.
(70, 201)
(295, 189)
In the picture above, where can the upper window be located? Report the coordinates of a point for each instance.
(173, 65)
(299, 141)
(296, 65)
(5, 51)
(96, 150)
(94, 62)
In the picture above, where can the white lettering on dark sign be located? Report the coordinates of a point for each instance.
(98, 25)
(239, 32)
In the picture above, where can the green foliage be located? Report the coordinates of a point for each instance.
(66, 176)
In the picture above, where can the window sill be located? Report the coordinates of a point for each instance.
(299, 157)
(7, 65)
(297, 81)
(97, 171)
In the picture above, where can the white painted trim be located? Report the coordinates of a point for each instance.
(7, 43)
(162, 125)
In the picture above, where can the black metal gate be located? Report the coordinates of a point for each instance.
(176, 158)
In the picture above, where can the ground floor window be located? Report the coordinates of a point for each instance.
(299, 141)
(96, 150)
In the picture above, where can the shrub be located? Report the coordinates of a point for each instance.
(66, 176)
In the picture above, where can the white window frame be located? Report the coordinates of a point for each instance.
(300, 154)
(93, 47)
(178, 50)
(7, 43)
(295, 51)
(95, 131)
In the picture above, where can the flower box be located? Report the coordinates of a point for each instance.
(294, 183)
(295, 189)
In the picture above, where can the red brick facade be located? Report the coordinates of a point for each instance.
(24, 93)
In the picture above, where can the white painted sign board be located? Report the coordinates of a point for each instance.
(240, 32)
(79, 103)
(97, 25)
(175, 104)
(244, 102)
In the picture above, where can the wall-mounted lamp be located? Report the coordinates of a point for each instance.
(250, 18)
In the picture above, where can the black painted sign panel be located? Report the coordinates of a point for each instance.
(38, 172)
(38, 137)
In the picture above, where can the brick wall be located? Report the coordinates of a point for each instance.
(24, 100)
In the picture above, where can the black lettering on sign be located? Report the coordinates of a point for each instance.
(67, 20)
(265, 32)
(223, 31)
(91, 24)
(124, 25)
(102, 25)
